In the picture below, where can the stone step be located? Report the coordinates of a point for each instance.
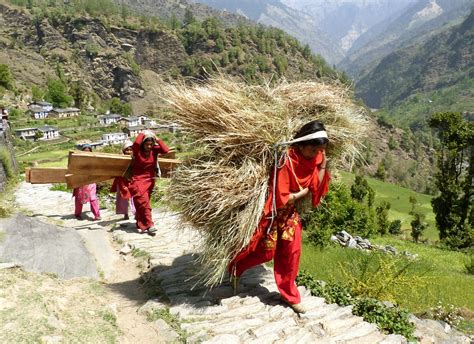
(357, 331)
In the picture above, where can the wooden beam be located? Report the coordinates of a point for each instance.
(27, 174)
(77, 180)
(98, 164)
(114, 165)
(46, 175)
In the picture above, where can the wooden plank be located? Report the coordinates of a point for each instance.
(46, 175)
(27, 174)
(75, 181)
(98, 164)
(114, 165)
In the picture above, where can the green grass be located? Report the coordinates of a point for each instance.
(445, 271)
(400, 206)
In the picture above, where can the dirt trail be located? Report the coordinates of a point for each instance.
(119, 273)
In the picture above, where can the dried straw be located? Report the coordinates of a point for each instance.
(223, 190)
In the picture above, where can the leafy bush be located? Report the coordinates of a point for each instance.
(381, 276)
(395, 227)
(6, 161)
(470, 264)
(338, 211)
(331, 292)
(389, 320)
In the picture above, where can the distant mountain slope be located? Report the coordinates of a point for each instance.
(444, 60)
(297, 23)
(346, 20)
(416, 24)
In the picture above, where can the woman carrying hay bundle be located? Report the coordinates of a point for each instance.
(145, 158)
(278, 236)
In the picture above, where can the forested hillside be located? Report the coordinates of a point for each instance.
(100, 50)
(424, 78)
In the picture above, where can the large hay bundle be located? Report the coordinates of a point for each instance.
(222, 189)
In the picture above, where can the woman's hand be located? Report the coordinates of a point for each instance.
(297, 195)
(323, 163)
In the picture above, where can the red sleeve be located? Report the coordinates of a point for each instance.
(282, 194)
(137, 143)
(161, 147)
(322, 189)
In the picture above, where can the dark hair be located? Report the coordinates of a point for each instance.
(309, 128)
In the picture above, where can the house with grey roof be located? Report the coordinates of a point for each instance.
(49, 132)
(65, 113)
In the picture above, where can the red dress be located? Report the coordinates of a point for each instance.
(283, 240)
(143, 180)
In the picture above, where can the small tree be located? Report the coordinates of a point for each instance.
(454, 179)
(6, 78)
(381, 173)
(418, 226)
(57, 93)
(381, 213)
(395, 227)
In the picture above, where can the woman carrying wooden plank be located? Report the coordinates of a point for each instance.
(145, 155)
(278, 236)
(86, 194)
(120, 186)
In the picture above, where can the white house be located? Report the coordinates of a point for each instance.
(38, 112)
(109, 119)
(129, 121)
(65, 113)
(26, 133)
(133, 131)
(40, 104)
(114, 138)
(49, 133)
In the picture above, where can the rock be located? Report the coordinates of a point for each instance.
(150, 306)
(224, 339)
(388, 304)
(55, 323)
(51, 339)
(344, 236)
(351, 243)
(9, 266)
(165, 331)
(127, 248)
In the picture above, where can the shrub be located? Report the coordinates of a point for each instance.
(6, 161)
(470, 264)
(382, 217)
(381, 276)
(395, 227)
(389, 320)
(338, 211)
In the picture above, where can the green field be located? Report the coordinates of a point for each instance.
(398, 197)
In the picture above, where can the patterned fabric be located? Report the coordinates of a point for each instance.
(285, 224)
(86, 193)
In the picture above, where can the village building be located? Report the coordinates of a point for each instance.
(49, 132)
(26, 133)
(129, 121)
(41, 104)
(109, 119)
(133, 131)
(37, 112)
(114, 138)
(3, 113)
(65, 113)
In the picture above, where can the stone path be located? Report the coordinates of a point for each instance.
(256, 315)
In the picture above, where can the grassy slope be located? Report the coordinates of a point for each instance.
(400, 206)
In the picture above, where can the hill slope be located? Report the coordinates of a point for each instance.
(414, 25)
(106, 53)
(438, 72)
